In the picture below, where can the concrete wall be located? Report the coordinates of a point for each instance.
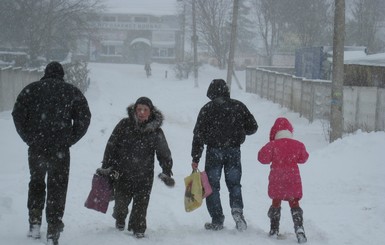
(12, 81)
(364, 107)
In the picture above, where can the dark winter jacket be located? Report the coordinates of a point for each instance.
(284, 154)
(51, 113)
(222, 122)
(132, 146)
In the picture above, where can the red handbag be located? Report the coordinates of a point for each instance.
(100, 194)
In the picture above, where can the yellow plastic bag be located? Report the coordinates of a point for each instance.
(193, 195)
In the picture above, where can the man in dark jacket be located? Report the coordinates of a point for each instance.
(50, 116)
(222, 125)
(130, 151)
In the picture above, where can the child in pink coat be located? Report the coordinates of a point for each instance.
(284, 153)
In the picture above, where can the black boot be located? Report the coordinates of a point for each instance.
(120, 222)
(34, 223)
(216, 224)
(297, 215)
(53, 233)
(34, 231)
(275, 215)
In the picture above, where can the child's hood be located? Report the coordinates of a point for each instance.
(281, 125)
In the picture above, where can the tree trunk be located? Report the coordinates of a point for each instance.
(336, 118)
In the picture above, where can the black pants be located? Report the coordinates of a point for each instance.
(55, 164)
(128, 188)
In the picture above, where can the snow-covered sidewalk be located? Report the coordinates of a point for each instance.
(344, 182)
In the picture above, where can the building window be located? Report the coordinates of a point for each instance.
(111, 50)
(154, 19)
(141, 19)
(170, 52)
(109, 18)
(124, 18)
(163, 52)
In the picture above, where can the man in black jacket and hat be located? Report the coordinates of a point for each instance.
(222, 125)
(50, 116)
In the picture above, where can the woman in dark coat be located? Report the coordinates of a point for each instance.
(131, 152)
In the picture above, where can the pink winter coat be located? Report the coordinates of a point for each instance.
(284, 153)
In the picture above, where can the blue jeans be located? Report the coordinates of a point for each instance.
(228, 159)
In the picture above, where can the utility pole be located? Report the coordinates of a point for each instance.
(195, 40)
(233, 39)
(184, 28)
(336, 108)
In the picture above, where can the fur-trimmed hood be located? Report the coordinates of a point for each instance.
(154, 122)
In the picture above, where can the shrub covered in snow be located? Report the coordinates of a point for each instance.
(76, 73)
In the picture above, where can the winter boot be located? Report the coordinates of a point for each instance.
(53, 233)
(240, 222)
(120, 222)
(216, 223)
(213, 226)
(297, 215)
(34, 231)
(52, 241)
(34, 223)
(275, 215)
(139, 235)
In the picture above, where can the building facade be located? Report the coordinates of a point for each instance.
(134, 38)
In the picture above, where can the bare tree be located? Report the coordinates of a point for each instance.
(284, 25)
(8, 35)
(213, 27)
(363, 24)
(268, 23)
(41, 25)
(310, 20)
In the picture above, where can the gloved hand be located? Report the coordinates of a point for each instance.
(108, 172)
(104, 171)
(194, 165)
(165, 176)
(168, 172)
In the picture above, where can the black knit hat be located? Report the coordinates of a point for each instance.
(144, 101)
(54, 68)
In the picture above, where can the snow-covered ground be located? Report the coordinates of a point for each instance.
(344, 182)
